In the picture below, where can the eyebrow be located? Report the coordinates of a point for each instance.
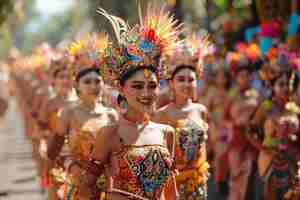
(138, 82)
(183, 76)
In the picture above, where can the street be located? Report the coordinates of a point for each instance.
(17, 169)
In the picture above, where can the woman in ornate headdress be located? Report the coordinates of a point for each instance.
(264, 123)
(49, 112)
(137, 152)
(188, 118)
(33, 91)
(80, 122)
(281, 148)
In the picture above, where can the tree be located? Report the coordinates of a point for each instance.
(5, 7)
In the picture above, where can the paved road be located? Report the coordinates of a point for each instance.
(17, 170)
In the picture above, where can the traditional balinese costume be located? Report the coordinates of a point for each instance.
(140, 172)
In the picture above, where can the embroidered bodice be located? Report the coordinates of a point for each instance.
(82, 141)
(81, 144)
(190, 137)
(141, 171)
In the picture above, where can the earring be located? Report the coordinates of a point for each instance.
(123, 104)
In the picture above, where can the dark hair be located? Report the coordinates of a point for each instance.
(132, 71)
(288, 76)
(180, 68)
(85, 72)
(56, 72)
(62, 65)
(246, 68)
(120, 99)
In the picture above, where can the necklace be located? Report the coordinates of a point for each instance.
(138, 124)
(98, 109)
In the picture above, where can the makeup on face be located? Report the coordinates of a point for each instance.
(281, 87)
(63, 75)
(185, 82)
(185, 75)
(90, 84)
(62, 81)
(141, 91)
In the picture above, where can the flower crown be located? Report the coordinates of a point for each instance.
(190, 52)
(144, 44)
(89, 52)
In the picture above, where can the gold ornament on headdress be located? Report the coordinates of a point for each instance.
(89, 52)
(190, 52)
(144, 44)
(292, 107)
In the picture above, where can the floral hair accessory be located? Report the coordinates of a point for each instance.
(89, 52)
(190, 52)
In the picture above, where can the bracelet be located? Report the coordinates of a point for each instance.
(73, 163)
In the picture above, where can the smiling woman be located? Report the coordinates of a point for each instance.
(54, 6)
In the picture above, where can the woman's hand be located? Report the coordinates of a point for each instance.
(77, 174)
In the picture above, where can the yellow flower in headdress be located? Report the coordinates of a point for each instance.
(292, 107)
(89, 52)
(75, 48)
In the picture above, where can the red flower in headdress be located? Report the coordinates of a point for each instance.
(273, 53)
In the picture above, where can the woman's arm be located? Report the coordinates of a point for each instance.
(104, 142)
(171, 142)
(56, 142)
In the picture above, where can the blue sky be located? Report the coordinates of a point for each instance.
(50, 7)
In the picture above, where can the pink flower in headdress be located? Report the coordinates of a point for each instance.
(283, 49)
(292, 56)
(296, 63)
(270, 29)
(211, 50)
(241, 47)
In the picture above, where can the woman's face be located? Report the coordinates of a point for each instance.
(243, 78)
(281, 88)
(241, 113)
(62, 82)
(141, 91)
(184, 83)
(89, 86)
(221, 79)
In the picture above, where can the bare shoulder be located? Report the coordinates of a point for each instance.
(112, 114)
(163, 127)
(108, 132)
(200, 107)
(162, 113)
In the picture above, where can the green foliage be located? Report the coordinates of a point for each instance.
(5, 8)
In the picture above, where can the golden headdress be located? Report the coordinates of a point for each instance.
(144, 44)
(190, 52)
(89, 52)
